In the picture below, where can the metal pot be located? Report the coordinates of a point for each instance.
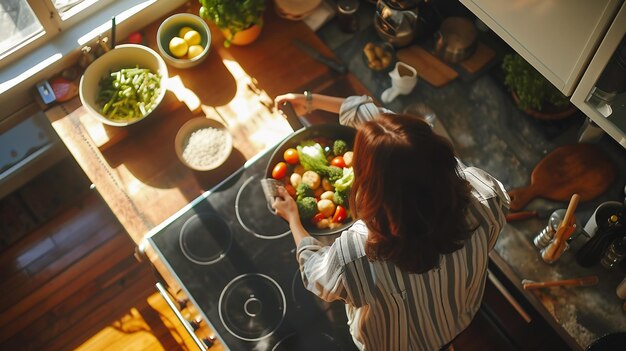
(456, 39)
(395, 24)
(331, 131)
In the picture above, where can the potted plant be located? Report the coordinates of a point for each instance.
(532, 92)
(239, 20)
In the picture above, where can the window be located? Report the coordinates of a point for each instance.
(30, 23)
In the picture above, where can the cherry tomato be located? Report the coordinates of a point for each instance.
(338, 162)
(291, 156)
(340, 214)
(318, 217)
(291, 190)
(280, 170)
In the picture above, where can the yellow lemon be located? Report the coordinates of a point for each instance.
(194, 50)
(192, 37)
(183, 31)
(178, 47)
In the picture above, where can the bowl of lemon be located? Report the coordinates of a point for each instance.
(183, 40)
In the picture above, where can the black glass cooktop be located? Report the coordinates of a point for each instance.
(236, 261)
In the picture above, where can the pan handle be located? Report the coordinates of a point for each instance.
(292, 118)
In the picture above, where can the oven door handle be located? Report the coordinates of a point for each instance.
(180, 317)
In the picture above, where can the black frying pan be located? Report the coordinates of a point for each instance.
(302, 133)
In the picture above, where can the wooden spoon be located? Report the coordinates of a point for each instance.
(584, 281)
(563, 232)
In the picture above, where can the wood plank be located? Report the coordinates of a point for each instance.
(100, 317)
(79, 221)
(17, 316)
(79, 230)
(59, 265)
(88, 305)
(482, 56)
(57, 224)
(148, 326)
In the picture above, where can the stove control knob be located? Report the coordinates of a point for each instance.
(195, 324)
(182, 303)
(209, 341)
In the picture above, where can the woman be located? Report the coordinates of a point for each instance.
(412, 268)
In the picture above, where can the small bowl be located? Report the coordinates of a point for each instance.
(123, 56)
(170, 28)
(373, 51)
(216, 136)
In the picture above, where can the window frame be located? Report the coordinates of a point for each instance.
(52, 25)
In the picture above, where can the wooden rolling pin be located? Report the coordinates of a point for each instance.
(563, 232)
(585, 281)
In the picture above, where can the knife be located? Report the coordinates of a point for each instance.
(338, 67)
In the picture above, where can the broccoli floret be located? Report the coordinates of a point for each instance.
(340, 147)
(303, 190)
(340, 197)
(333, 173)
(307, 207)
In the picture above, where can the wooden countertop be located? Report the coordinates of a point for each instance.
(136, 169)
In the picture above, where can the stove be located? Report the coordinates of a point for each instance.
(236, 262)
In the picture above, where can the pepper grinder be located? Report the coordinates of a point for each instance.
(615, 253)
(564, 231)
(546, 235)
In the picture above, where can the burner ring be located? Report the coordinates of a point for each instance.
(241, 219)
(203, 244)
(253, 306)
(255, 309)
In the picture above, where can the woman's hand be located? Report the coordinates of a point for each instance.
(286, 207)
(298, 102)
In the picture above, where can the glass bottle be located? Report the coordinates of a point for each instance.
(615, 253)
(347, 16)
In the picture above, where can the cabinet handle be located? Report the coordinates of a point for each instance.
(180, 317)
(508, 297)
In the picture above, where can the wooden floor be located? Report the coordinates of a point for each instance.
(73, 283)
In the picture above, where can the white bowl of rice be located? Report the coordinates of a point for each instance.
(203, 144)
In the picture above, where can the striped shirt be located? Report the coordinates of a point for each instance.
(389, 309)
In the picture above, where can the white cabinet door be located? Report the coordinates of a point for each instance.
(557, 37)
(612, 120)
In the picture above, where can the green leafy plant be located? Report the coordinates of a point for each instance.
(234, 15)
(531, 88)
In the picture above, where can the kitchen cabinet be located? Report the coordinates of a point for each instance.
(609, 115)
(516, 319)
(569, 43)
(557, 37)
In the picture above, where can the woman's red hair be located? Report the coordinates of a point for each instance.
(408, 192)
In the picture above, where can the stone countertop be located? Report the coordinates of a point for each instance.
(490, 132)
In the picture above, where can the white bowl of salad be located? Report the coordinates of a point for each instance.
(125, 85)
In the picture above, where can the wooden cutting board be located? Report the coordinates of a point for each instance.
(482, 56)
(578, 168)
(428, 67)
